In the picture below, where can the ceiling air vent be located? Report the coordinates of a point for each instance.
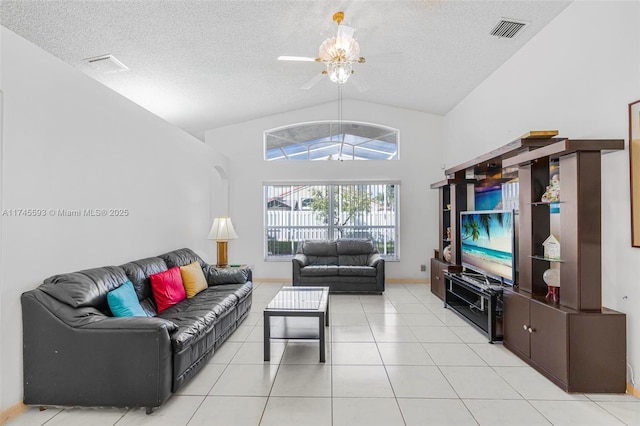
(106, 64)
(508, 28)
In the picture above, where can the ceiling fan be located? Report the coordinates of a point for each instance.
(338, 53)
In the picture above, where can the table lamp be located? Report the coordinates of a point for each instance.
(222, 231)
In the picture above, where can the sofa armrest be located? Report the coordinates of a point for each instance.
(299, 261)
(103, 361)
(374, 259)
(217, 276)
(377, 261)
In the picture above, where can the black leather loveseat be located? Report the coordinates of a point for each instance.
(77, 354)
(343, 265)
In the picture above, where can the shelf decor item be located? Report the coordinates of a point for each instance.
(552, 194)
(634, 168)
(447, 253)
(552, 278)
(551, 248)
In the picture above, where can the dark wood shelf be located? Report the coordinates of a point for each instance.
(496, 159)
(452, 181)
(565, 147)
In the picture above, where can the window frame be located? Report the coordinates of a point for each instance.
(331, 124)
(330, 227)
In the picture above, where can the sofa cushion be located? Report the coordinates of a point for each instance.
(149, 306)
(167, 288)
(193, 279)
(357, 271)
(139, 272)
(322, 260)
(355, 246)
(353, 260)
(123, 302)
(183, 257)
(85, 288)
(319, 248)
(197, 316)
(319, 271)
(240, 291)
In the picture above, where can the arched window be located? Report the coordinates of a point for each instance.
(331, 140)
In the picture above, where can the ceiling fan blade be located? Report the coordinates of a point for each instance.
(296, 58)
(344, 36)
(360, 83)
(313, 81)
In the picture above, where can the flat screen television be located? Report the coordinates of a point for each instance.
(487, 241)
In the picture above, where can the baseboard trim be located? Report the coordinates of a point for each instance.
(12, 412)
(406, 281)
(633, 391)
(272, 280)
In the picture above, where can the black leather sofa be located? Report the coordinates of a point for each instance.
(350, 265)
(77, 354)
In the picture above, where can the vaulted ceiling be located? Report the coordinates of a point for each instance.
(204, 64)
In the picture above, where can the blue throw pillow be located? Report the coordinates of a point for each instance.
(123, 302)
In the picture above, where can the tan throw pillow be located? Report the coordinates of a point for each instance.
(193, 279)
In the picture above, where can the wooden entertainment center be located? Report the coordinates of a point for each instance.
(573, 341)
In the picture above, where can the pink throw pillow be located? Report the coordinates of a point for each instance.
(167, 288)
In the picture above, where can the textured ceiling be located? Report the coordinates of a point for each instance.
(204, 64)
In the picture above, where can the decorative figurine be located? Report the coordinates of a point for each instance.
(447, 253)
(551, 248)
(448, 233)
(552, 278)
(552, 194)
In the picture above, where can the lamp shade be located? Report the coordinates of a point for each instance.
(222, 229)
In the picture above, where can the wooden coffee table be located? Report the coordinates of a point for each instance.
(297, 313)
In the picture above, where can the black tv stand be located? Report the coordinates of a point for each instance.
(476, 300)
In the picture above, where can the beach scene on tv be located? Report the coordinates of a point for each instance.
(487, 242)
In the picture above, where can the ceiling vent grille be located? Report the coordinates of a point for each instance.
(508, 28)
(106, 64)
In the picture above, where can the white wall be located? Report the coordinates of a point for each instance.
(69, 142)
(577, 76)
(419, 165)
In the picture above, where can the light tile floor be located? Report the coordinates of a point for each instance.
(395, 359)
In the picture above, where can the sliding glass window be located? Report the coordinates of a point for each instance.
(298, 212)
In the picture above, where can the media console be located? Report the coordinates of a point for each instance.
(477, 300)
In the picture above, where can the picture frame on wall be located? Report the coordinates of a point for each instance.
(634, 170)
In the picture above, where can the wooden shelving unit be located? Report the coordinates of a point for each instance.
(452, 199)
(580, 219)
(575, 342)
(455, 190)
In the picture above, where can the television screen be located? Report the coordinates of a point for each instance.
(487, 243)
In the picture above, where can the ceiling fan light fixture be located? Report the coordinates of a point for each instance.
(338, 53)
(339, 71)
(335, 48)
